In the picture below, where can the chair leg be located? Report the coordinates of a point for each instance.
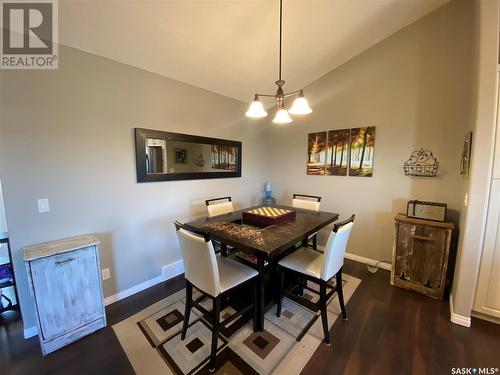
(340, 293)
(215, 333)
(315, 242)
(302, 284)
(223, 249)
(324, 316)
(187, 311)
(255, 307)
(281, 277)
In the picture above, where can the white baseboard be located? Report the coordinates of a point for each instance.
(168, 272)
(172, 270)
(30, 332)
(371, 262)
(456, 318)
(489, 318)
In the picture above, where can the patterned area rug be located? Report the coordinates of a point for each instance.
(151, 338)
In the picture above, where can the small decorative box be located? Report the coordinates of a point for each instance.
(426, 210)
(266, 216)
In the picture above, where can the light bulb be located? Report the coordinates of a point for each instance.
(256, 110)
(282, 117)
(300, 106)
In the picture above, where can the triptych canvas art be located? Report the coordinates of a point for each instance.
(341, 152)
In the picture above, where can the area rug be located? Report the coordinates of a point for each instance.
(151, 338)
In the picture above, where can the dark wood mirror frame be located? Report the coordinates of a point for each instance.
(140, 156)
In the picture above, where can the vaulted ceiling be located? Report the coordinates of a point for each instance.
(231, 47)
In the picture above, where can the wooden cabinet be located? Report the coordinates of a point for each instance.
(420, 255)
(65, 284)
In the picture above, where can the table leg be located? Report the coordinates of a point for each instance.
(304, 242)
(260, 294)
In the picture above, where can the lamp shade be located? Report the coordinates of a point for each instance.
(300, 106)
(256, 110)
(282, 117)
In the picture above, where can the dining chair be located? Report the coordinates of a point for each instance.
(219, 206)
(308, 202)
(319, 268)
(214, 277)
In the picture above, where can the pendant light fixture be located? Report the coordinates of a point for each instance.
(300, 105)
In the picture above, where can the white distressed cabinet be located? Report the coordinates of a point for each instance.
(65, 283)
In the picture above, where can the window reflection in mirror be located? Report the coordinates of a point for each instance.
(165, 156)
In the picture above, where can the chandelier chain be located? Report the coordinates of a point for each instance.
(281, 32)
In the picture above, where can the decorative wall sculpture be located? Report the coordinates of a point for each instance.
(465, 159)
(421, 163)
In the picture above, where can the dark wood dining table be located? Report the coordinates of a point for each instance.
(267, 244)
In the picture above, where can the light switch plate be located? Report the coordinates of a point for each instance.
(43, 205)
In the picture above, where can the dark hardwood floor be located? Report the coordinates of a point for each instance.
(389, 331)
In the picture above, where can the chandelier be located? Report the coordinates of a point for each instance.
(300, 105)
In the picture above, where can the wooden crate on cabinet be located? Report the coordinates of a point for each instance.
(420, 255)
(65, 283)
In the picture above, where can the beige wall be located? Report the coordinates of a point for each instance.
(415, 87)
(67, 135)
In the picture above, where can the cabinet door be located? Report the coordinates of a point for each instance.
(487, 299)
(420, 254)
(67, 291)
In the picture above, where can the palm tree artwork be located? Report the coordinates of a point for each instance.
(316, 153)
(337, 152)
(361, 151)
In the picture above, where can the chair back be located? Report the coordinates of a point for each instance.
(219, 206)
(333, 258)
(306, 202)
(200, 262)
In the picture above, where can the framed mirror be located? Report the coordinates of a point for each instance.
(165, 156)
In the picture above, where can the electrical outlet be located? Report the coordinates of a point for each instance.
(43, 205)
(106, 273)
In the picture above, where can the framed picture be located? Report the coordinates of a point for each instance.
(180, 156)
(465, 159)
(337, 152)
(223, 157)
(316, 153)
(362, 147)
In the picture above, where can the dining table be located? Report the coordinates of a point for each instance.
(266, 245)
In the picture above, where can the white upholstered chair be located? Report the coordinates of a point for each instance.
(308, 202)
(215, 277)
(320, 268)
(219, 206)
(216, 207)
